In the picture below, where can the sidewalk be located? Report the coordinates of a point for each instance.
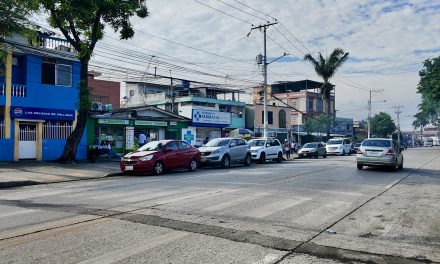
(23, 173)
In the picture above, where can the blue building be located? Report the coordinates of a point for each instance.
(38, 98)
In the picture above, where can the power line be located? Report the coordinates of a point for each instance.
(218, 10)
(241, 10)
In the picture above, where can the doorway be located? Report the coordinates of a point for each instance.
(27, 144)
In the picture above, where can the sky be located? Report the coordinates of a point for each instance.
(387, 41)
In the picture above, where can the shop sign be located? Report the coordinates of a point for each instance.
(211, 117)
(42, 113)
(173, 123)
(113, 121)
(149, 123)
(129, 137)
(189, 135)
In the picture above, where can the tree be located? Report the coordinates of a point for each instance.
(382, 125)
(82, 24)
(429, 88)
(326, 69)
(319, 124)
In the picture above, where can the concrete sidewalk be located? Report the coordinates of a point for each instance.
(22, 173)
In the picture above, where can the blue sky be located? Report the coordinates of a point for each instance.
(387, 42)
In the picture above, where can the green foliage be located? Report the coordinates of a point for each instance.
(319, 124)
(382, 125)
(14, 15)
(429, 88)
(82, 22)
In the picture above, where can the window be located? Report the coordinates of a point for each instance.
(183, 145)
(56, 74)
(234, 141)
(282, 118)
(241, 142)
(172, 145)
(311, 104)
(274, 143)
(269, 117)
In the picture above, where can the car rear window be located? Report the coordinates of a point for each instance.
(310, 145)
(334, 142)
(377, 143)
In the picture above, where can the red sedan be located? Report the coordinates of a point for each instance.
(157, 156)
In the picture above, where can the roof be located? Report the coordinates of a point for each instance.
(154, 108)
(282, 87)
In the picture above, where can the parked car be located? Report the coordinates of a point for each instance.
(429, 142)
(312, 150)
(380, 152)
(263, 149)
(225, 151)
(158, 156)
(338, 146)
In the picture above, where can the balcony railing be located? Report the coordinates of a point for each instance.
(52, 43)
(17, 90)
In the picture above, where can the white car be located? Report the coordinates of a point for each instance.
(263, 149)
(338, 146)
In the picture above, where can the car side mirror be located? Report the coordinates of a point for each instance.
(232, 145)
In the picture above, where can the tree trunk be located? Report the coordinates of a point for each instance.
(327, 99)
(71, 146)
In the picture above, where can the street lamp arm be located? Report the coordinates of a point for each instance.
(284, 55)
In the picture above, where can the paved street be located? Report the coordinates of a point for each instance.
(301, 211)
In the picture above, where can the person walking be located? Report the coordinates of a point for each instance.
(142, 139)
(287, 149)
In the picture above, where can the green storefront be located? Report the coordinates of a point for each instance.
(123, 133)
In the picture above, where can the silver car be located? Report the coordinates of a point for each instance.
(225, 151)
(380, 152)
(312, 150)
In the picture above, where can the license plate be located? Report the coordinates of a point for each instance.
(374, 153)
(128, 167)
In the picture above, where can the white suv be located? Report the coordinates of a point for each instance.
(338, 146)
(263, 149)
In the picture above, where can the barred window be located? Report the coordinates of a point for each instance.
(57, 130)
(282, 119)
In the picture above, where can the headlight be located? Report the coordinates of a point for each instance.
(146, 158)
(217, 151)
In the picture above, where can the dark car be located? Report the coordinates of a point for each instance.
(356, 147)
(158, 156)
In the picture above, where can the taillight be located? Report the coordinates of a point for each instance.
(390, 152)
(359, 151)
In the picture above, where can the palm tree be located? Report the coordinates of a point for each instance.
(326, 69)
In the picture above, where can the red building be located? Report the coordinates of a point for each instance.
(105, 93)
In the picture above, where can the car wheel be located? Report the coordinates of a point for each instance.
(226, 161)
(401, 165)
(263, 158)
(316, 155)
(158, 168)
(360, 166)
(343, 152)
(193, 165)
(280, 158)
(325, 155)
(349, 152)
(395, 166)
(248, 160)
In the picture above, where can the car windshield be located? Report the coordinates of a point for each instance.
(334, 142)
(153, 145)
(377, 143)
(256, 142)
(218, 142)
(310, 145)
(357, 145)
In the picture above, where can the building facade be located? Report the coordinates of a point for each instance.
(38, 98)
(213, 112)
(106, 94)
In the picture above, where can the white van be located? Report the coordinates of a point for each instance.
(338, 146)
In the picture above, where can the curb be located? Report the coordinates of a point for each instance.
(13, 184)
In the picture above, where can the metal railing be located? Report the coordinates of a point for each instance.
(57, 130)
(17, 90)
(52, 43)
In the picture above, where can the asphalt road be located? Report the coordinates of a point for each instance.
(301, 211)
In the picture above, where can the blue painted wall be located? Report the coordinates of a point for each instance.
(28, 72)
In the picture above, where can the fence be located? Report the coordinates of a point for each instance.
(17, 90)
(2, 129)
(57, 130)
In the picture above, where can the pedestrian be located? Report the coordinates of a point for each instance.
(142, 139)
(287, 149)
(206, 141)
(292, 147)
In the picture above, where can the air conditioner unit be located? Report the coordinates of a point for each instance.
(97, 106)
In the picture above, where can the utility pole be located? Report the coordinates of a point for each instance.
(264, 27)
(369, 111)
(398, 112)
(172, 93)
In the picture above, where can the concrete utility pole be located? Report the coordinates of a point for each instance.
(369, 111)
(264, 27)
(398, 112)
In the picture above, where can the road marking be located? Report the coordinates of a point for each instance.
(18, 212)
(276, 206)
(230, 203)
(323, 213)
(391, 184)
(123, 253)
(270, 258)
(151, 195)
